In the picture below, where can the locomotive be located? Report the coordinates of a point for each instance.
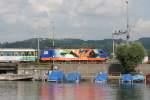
(73, 55)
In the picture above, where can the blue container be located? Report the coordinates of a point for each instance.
(101, 77)
(56, 76)
(73, 77)
(138, 77)
(126, 77)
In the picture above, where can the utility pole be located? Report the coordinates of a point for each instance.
(113, 54)
(38, 47)
(116, 33)
(126, 32)
(53, 44)
(53, 28)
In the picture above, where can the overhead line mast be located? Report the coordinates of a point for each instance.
(128, 30)
(119, 32)
(53, 43)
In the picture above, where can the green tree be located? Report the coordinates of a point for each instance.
(130, 55)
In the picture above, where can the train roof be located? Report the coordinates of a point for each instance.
(17, 49)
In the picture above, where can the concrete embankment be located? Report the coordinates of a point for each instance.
(87, 70)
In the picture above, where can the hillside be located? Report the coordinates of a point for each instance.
(105, 44)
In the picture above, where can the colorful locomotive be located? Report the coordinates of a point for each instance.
(73, 55)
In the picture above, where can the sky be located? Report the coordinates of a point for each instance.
(84, 19)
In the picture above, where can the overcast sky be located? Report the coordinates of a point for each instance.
(85, 19)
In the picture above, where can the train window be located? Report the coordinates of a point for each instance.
(19, 53)
(29, 53)
(5, 53)
(16, 54)
(10, 53)
(22, 53)
(36, 53)
(25, 53)
(32, 53)
(45, 52)
(1, 53)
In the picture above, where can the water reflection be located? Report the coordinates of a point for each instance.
(27, 90)
(15, 90)
(72, 92)
(128, 91)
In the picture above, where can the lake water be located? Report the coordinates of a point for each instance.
(20, 90)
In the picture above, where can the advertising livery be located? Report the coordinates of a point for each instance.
(73, 54)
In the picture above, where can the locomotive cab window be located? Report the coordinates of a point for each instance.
(45, 52)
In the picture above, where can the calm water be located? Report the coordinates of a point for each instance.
(16, 90)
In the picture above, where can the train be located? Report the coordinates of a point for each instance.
(49, 55)
(17, 55)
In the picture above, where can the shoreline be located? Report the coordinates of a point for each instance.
(87, 71)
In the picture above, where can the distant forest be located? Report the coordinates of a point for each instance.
(105, 44)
